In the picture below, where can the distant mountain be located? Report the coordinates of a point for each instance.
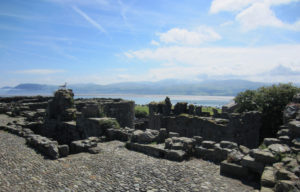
(168, 87)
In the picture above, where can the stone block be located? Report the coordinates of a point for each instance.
(176, 155)
(252, 165)
(270, 141)
(264, 156)
(233, 170)
(208, 144)
(228, 145)
(268, 177)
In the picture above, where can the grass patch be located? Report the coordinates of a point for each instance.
(210, 110)
(141, 111)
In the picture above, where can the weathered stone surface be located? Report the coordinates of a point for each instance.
(180, 107)
(270, 141)
(63, 150)
(152, 150)
(176, 155)
(234, 156)
(266, 189)
(245, 150)
(283, 186)
(208, 144)
(119, 134)
(290, 112)
(296, 142)
(283, 174)
(95, 150)
(44, 145)
(234, 170)
(279, 148)
(253, 165)
(285, 139)
(198, 140)
(173, 134)
(264, 156)
(294, 127)
(228, 145)
(204, 153)
(92, 109)
(82, 145)
(283, 132)
(163, 134)
(145, 137)
(268, 177)
(96, 126)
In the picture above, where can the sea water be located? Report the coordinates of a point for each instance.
(214, 101)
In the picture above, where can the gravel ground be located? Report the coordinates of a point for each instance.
(113, 169)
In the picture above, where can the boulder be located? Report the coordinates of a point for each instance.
(278, 148)
(284, 185)
(118, 134)
(283, 174)
(245, 150)
(283, 132)
(43, 145)
(82, 145)
(63, 150)
(144, 137)
(234, 156)
(268, 177)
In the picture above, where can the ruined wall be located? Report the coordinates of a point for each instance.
(120, 109)
(240, 128)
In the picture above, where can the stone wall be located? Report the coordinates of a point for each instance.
(240, 128)
(190, 121)
(120, 109)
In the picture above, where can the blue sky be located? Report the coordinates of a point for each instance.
(108, 41)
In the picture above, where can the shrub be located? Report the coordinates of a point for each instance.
(141, 111)
(271, 101)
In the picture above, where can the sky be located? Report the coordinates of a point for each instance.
(110, 41)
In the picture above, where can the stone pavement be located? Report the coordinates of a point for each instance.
(114, 169)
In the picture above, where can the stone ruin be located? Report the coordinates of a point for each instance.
(65, 126)
(190, 121)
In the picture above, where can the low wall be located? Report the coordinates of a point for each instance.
(240, 128)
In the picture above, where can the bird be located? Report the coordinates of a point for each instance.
(63, 86)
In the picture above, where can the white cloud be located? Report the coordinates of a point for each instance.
(39, 71)
(154, 43)
(229, 5)
(252, 14)
(90, 20)
(259, 14)
(185, 37)
(191, 61)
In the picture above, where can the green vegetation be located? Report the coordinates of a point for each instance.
(210, 110)
(109, 123)
(271, 101)
(141, 111)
